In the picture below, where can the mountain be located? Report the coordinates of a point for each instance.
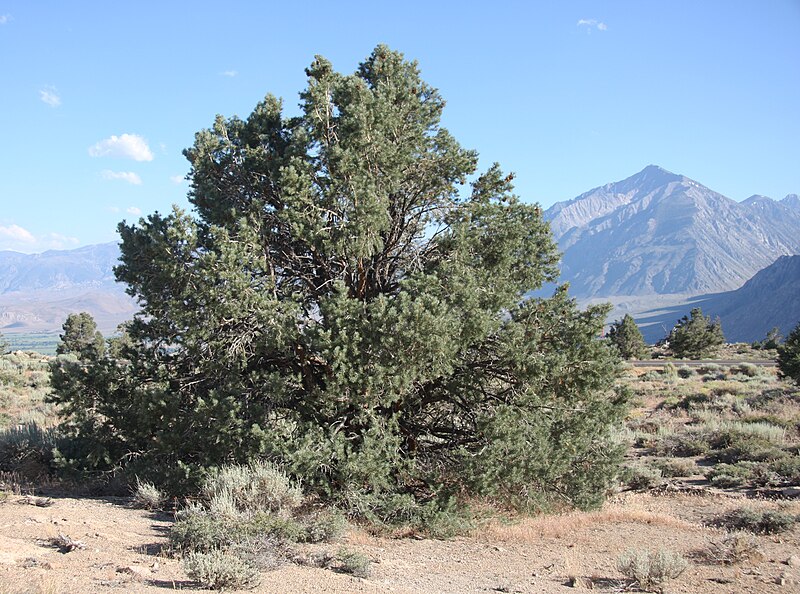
(770, 299)
(660, 233)
(89, 266)
(38, 291)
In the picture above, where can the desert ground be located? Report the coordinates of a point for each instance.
(54, 541)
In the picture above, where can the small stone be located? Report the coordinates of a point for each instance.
(793, 561)
(138, 573)
(577, 581)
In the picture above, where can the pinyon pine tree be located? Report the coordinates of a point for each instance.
(626, 336)
(339, 305)
(695, 336)
(789, 356)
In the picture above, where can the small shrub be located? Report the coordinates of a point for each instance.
(737, 547)
(747, 369)
(787, 469)
(257, 486)
(27, 450)
(757, 521)
(325, 526)
(200, 532)
(640, 478)
(692, 443)
(709, 369)
(728, 476)
(676, 468)
(685, 372)
(219, 570)
(650, 570)
(353, 563)
(148, 496)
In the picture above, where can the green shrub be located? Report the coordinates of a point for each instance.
(787, 469)
(747, 369)
(640, 477)
(353, 563)
(727, 476)
(218, 570)
(685, 372)
(757, 521)
(27, 449)
(650, 570)
(676, 468)
(711, 369)
(325, 526)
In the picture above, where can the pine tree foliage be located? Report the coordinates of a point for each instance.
(695, 336)
(339, 304)
(789, 356)
(626, 336)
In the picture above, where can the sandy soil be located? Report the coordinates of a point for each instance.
(123, 551)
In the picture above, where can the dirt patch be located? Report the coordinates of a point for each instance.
(124, 552)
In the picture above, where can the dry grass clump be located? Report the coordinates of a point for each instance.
(148, 496)
(528, 530)
(735, 548)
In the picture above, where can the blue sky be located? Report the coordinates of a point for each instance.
(98, 99)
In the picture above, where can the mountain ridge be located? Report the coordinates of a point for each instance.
(658, 233)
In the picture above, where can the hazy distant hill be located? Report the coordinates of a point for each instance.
(771, 298)
(38, 291)
(658, 233)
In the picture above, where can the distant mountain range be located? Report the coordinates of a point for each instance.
(38, 291)
(659, 233)
(654, 245)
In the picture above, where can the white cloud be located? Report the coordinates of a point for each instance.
(56, 241)
(50, 97)
(132, 210)
(128, 176)
(18, 239)
(15, 233)
(130, 146)
(592, 24)
(5, 18)
(177, 179)
(229, 73)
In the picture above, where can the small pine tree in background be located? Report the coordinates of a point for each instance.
(626, 336)
(695, 336)
(789, 356)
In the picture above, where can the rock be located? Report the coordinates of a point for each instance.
(577, 581)
(793, 561)
(138, 573)
(791, 492)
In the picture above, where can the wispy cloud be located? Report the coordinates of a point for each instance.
(128, 176)
(132, 210)
(229, 73)
(131, 146)
(592, 24)
(14, 237)
(177, 179)
(50, 96)
(5, 18)
(15, 233)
